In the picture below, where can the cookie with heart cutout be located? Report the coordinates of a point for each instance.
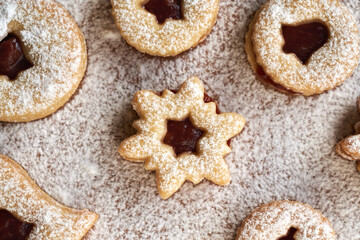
(303, 46)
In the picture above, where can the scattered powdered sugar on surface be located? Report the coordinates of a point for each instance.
(55, 50)
(6, 14)
(328, 66)
(141, 28)
(286, 150)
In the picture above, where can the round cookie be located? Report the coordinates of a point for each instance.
(56, 50)
(280, 220)
(146, 32)
(330, 62)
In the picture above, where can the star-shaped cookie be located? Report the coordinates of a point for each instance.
(155, 111)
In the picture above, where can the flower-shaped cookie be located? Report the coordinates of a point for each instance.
(349, 147)
(26, 212)
(160, 114)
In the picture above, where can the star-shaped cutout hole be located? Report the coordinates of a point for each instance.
(304, 39)
(205, 158)
(12, 57)
(290, 235)
(165, 9)
(182, 136)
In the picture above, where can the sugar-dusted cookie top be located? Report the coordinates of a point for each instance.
(163, 27)
(285, 220)
(303, 46)
(349, 147)
(212, 131)
(51, 50)
(23, 203)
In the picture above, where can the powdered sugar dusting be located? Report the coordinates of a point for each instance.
(6, 14)
(273, 220)
(353, 144)
(140, 28)
(327, 67)
(54, 46)
(286, 150)
(349, 147)
(51, 220)
(172, 170)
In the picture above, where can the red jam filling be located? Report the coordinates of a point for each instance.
(304, 39)
(290, 235)
(182, 136)
(266, 79)
(164, 9)
(12, 58)
(13, 229)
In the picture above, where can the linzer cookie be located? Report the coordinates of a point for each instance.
(26, 212)
(285, 220)
(164, 27)
(303, 46)
(181, 136)
(349, 147)
(42, 58)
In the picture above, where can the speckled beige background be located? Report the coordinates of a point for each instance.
(286, 150)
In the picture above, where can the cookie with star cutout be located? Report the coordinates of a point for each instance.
(182, 136)
(164, 27)
(27, 212)
(285, 220)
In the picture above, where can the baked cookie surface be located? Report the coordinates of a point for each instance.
(286, 150)
(303, 46)
(285, 220)
(55, 48)
(349, 147)
(161, 36)
(170, 156)
(27, 211)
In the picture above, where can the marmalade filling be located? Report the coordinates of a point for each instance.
(12, 58)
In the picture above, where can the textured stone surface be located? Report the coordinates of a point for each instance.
(286, 150)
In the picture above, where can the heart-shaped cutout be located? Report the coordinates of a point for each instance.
(12, 58)
(290, 235)
(304, 39)
(165, 9)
